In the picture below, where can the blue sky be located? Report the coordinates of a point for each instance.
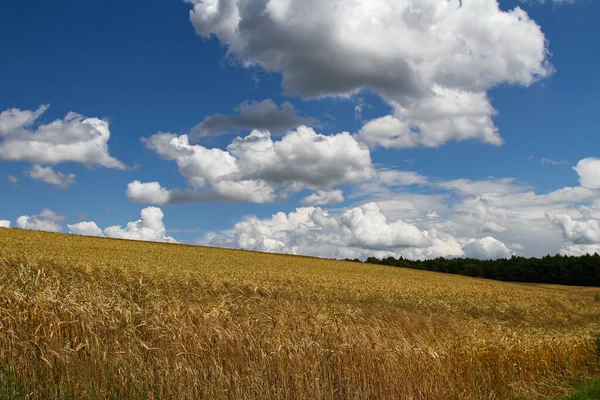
(409, 187)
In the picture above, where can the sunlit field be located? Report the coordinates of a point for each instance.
(100, 318)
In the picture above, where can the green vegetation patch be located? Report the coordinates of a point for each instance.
(587, 391)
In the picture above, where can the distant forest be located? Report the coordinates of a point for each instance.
(558, 269)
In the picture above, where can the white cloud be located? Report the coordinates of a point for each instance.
(489, 218)
(486, 248)
(314, 231)
(432, 61)
(85, 228)
(443, 244)
(72, 139)
(583, 232)
(389, 132)
(149, 228)
(154, 193)
(256, 168)
(370, 229)
(4, 223)
(589, 172)
(581, 236)
(14, 119)
(353, 232)
(47, 220)
(515, 217)
(13, 179)
(150, 192)
(323, 197)
(572, 249)
(431, 122)
(48, 175)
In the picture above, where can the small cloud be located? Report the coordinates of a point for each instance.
(323, 197)
(553, 2)
(14, 180)
(360, 107)
(552, 162)
(358, 111)
(48, 175)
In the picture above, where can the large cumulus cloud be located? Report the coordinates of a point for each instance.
(588, 170)
(256, 168)
(582, 236)
(354, 232)
(432, 61)
(491, 218)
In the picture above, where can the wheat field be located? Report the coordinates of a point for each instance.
(109, 319)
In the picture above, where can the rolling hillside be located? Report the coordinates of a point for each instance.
(101, 318)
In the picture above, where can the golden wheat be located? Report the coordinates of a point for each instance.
(99, 318)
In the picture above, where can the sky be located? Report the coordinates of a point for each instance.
(340, 129)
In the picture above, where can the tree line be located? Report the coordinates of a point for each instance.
(558, 269)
